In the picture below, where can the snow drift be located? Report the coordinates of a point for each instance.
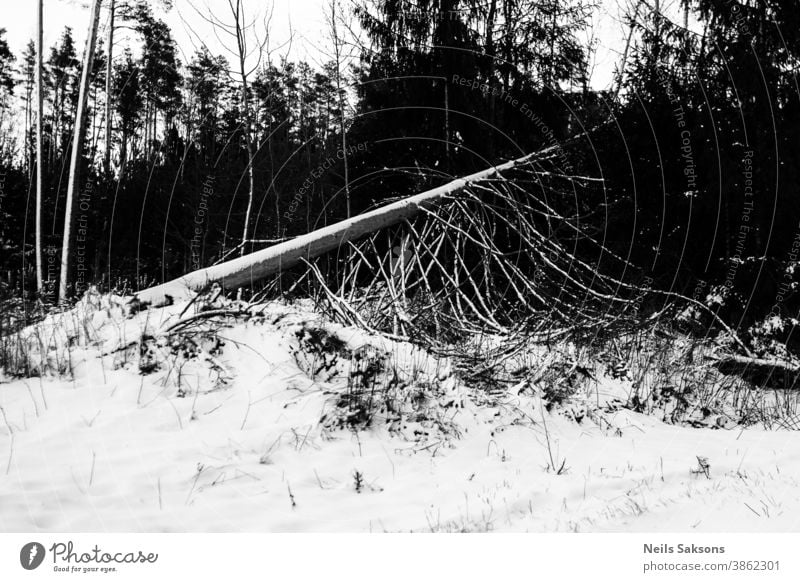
(273, 418)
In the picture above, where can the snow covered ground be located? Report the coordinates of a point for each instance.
(241, 436)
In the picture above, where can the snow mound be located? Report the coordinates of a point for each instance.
(218, 416)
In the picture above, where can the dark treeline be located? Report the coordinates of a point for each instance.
(175, 192)
(696, 143)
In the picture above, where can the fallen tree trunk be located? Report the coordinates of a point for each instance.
(256, 266)
(769, 373)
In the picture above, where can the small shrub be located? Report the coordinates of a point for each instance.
(319, 352)
(358, 481)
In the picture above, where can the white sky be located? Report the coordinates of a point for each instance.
(303, 17)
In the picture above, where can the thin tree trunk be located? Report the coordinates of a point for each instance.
(77, 147)
(123, 153)
(656, 54)
(238, 16)
(248, 138)
(54, 126)
(338, 56)
(28, 145)
(508, 43)
(551, 69)
(146, 139)
(109, 70)
(272, 178)
(490, 72)
(94, 134)
(250, 178)
(39, 165)
(624, 61)
(447, 126)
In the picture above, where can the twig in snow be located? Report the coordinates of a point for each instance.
(254, 477)
(203, 315)
(560, 470)
(305, 438)
(704, 467)
(200, 469)
(189, 304)
(10, 454)
(5, 420)
(30, 393)
(180, 422)
(74, 480)
(319, 481)
(41, 391)
(217, 407)
(89, 423)
(91, 472)
(102, 369)
(358, 440)
(753, 510)
(247, 412)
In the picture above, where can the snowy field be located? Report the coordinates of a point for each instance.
(241, 430)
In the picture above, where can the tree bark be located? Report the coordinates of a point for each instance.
(39, 164)
(77, 148)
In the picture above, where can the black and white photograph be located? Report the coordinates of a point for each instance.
(400, 266)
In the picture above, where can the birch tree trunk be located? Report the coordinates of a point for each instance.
(337, 51)
(248, 138)
(39, 165)
(77, 148)
(250, 181)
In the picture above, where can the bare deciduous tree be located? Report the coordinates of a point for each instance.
(334, 16)
(248, 53)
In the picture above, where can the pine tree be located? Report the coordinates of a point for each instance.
(160, 78)
(108, 86)
(205, 83)
(128, 104)
(6, 65)
(28, 81)
(62, 83)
